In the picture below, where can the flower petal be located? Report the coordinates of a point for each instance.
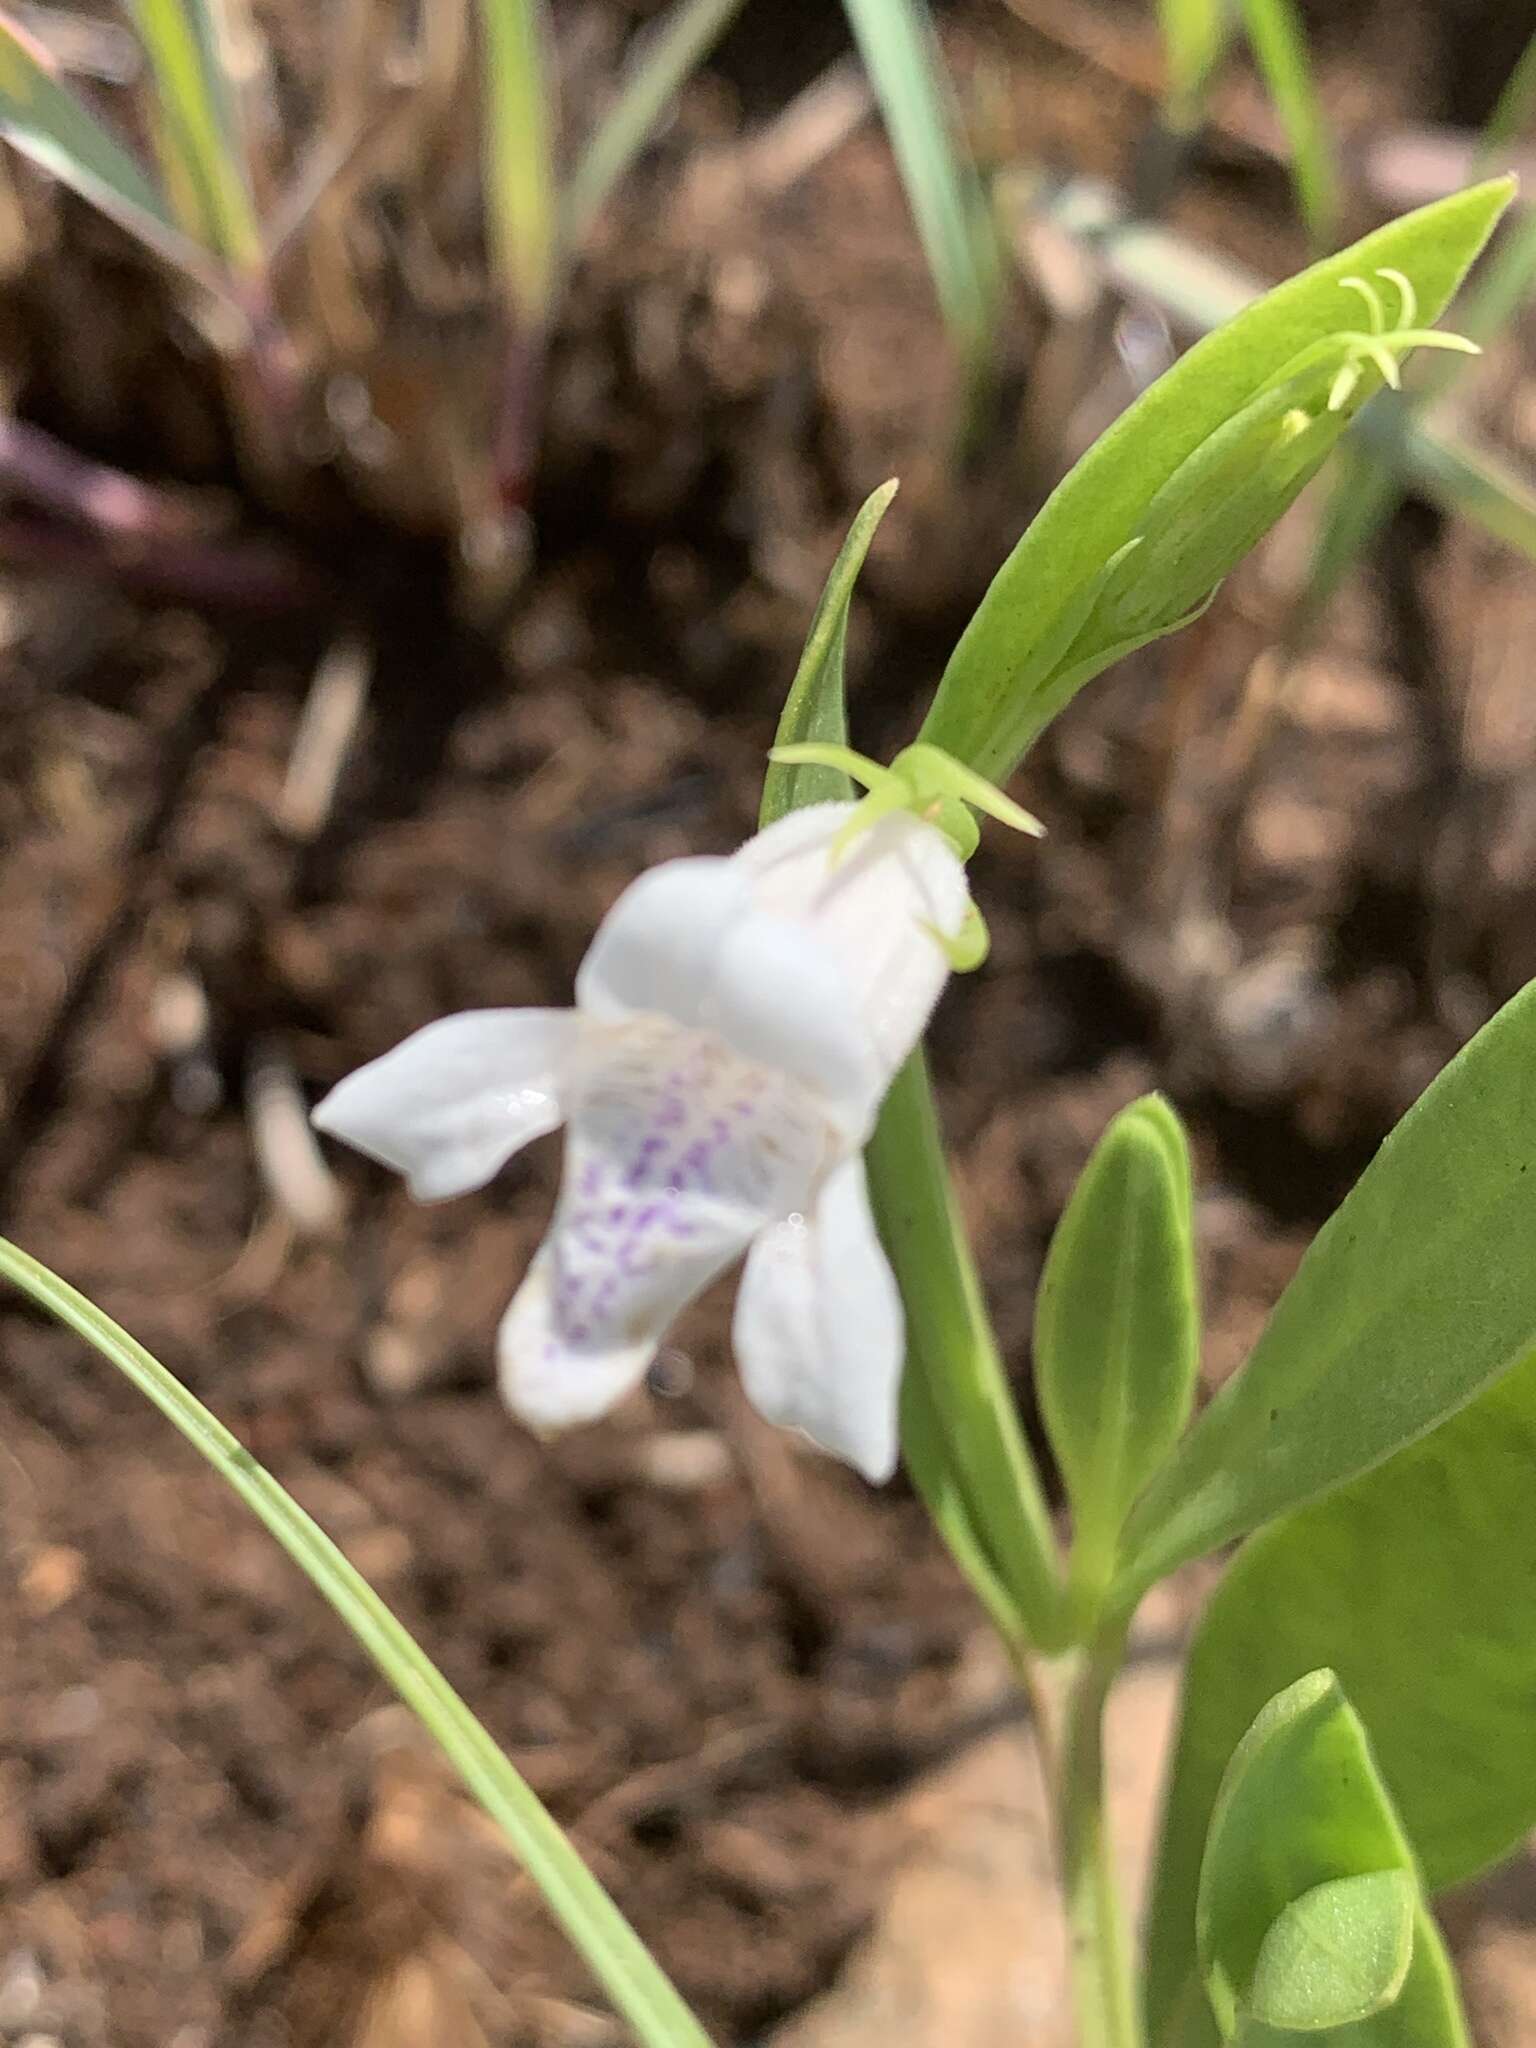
(875, 913)
(450, 1105)
(678, 1153)
(819, 1331)
(683, 942)
(783, 1001)
(657, 950)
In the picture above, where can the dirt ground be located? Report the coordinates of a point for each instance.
(714, 1655)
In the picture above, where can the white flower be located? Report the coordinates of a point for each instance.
(737, 1023)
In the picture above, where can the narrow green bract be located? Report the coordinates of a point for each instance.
(815, 711)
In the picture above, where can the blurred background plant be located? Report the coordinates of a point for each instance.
(373, 294)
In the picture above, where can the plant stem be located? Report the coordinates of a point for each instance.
(1103, 1992)
(971, 1443)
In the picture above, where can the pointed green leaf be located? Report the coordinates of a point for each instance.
(998, 690)
(1414, 1296)
(1435, 1547)
(1117, 1328)
(816, 707)
(1338, 1954)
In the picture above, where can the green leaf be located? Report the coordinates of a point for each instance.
(664, 56)
(1195, 34)
(1300, 1803)
(197, 129)
(997, 692)
(1415, 1295)
(816, 707)
(63, 137)
(1117, 1331)
(1284, 1950)
(1338, 1954)
(1435, 1547)
(520, 194)
(1279, 46)
(617, 1957)
(906, 68)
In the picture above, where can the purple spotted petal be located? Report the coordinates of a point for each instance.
(678, 1153)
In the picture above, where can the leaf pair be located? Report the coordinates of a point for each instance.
(1310, 1921)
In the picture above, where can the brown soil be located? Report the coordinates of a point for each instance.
(707, 1650)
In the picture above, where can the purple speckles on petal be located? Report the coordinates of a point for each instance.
(679, 1152)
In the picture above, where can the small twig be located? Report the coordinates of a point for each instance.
(815, 123)
(288, 1155)
(243, 575)
(327, 727)
(46, 473)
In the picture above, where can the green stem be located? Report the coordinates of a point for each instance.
(961, 1403)
(1103, 1990)
(618, 1958)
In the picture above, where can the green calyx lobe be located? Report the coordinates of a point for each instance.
(922, 779)
(933, 786)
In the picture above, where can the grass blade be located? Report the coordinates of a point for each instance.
(1195, 34)
(1280, 50)
(906, 68)
(618, 1959)
(656, 72)
(1513, 110)
(519, 158)
(63, 137)
(202, 152)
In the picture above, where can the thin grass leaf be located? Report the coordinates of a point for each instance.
(1279, 47)
(197, 129)
(61, 135)
(1196, 35)
(906, 68)
(616, 1955)
(662, 61)
(521, 198)
(1512, 113)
